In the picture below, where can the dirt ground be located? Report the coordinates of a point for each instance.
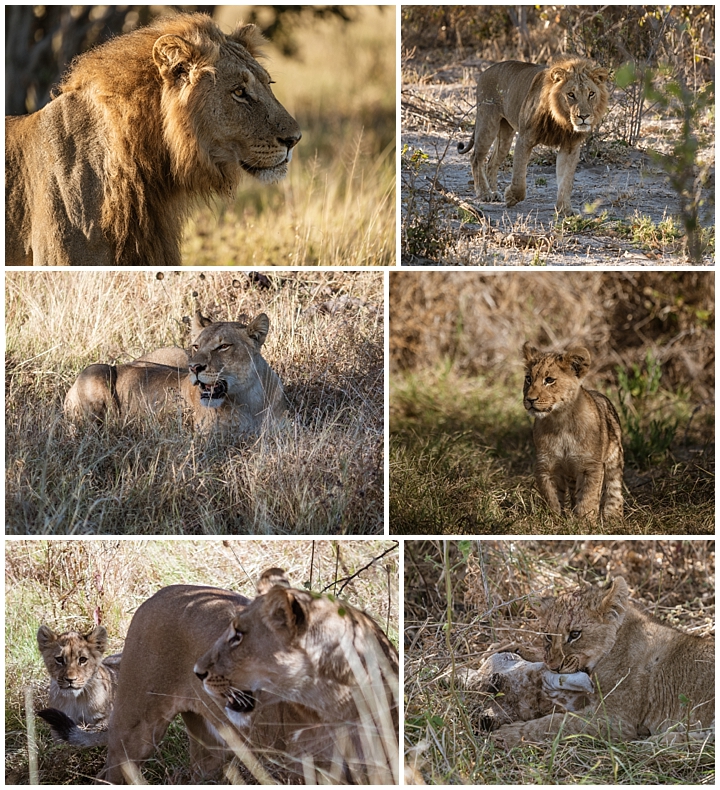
(623, 188)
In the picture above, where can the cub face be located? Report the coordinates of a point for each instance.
(71, 659)
(223, 357)
(552, 381)
(581, 626)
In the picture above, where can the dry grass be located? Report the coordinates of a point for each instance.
(322, 476)
(337, 206)
(66, 583)
(484, 585)
(461, 451)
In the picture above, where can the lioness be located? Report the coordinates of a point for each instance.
(105, 174)
(546, 105)
(82, 683)
(578, 439)
(649, 676)
(227, 383)
(291, 671)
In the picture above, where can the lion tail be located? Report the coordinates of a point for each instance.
(463, 148)
(64, 729)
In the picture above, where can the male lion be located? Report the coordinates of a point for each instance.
(546, 105)
(292, 672)
(649, 676)
(82, 683)
(105, 174)
(225, 381)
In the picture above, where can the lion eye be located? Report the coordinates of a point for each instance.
(549, 380)
(194, 346)
(235, 638)
(59, 660)
(548, 640)
(591, 94)
(573, 636)
(240, 93)
(571, 95)
(82, 660)
(223, 347)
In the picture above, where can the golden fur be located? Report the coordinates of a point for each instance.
(278, 673)
(546, 105)
(649, 676)
(578, 439)
(82, 683)
(106, 172)
(225, 382)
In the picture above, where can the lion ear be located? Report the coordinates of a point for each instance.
(250, 37)
(198, 323)
(45, 637)
(97, 639)
(600, 75)
(529, 351)
(558, 74)
(175, 57)
(258, 328)
(578, 358)
(285, 610)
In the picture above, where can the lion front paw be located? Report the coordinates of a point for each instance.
(513, 196)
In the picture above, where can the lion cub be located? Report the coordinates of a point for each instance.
(577, 434)
(649, 675)
(82, 683)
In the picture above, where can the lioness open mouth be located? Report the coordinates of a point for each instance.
(240, 701)
(211, 392)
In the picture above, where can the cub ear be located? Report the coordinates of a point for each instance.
(285, 610)
(272, 577)
(579, 360)
(615, 600)
(258, 329)
(97, 639)
(45, 637)
(529, 351)
(250, 37)
(175, 57)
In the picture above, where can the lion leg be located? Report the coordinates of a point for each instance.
(588, 490)
(93, 392)
(565, 166)
(129, 747)
(505, 136)
(544, 729)
(207, 753)
(548, 488)
(517, 190)
(487, 128)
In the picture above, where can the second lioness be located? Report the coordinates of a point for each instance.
(225, 381)
(578, 440)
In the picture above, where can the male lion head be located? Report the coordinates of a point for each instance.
(295, 646)
(576, 93)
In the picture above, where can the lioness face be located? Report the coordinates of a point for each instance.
(71, 659)
(223, 359)
(260, 652)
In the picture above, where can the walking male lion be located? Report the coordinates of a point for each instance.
(105, 174)
(554, 105)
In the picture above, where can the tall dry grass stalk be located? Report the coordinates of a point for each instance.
(323, 475)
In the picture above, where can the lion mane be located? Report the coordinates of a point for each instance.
(140, 127)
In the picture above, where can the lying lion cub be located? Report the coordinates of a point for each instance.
(292, 671)
(224, 381)
(649, 676)
(82, 684)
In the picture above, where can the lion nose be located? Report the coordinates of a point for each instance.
(197, 368)
(291, 141)
(202, 675)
